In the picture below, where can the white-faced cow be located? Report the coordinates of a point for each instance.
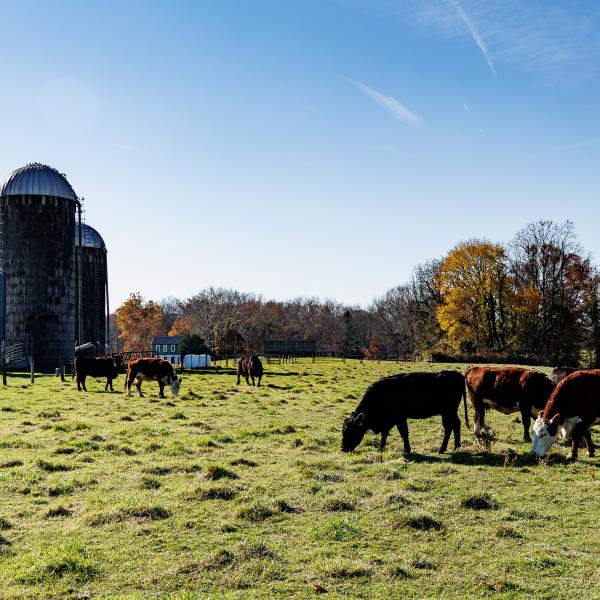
(392, 400)
(152, 369)
(249, 367)
(572, 409)
(508, 390)
(90, 366)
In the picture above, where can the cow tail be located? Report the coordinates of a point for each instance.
(464, 395)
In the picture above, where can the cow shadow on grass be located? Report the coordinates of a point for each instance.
(465, 457)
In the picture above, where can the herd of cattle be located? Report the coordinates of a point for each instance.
(568, 403)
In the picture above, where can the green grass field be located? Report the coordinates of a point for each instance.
(238, 492)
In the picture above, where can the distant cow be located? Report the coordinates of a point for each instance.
(573, 407)
(152, 369)
(249, 367)
(559, 373)
(89, 366)
(508, 390)
(392, 400)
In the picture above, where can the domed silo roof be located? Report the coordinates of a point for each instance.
(91, 238)
(36, 179)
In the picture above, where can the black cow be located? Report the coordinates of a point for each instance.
(392, 400)
(90, 366)
(250, 367)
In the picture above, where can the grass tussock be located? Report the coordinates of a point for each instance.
(482, 501)
(215, 472)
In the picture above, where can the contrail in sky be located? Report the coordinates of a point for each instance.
(397, 109)
(476, 36)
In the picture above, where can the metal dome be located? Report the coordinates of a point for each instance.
(36, 179)
(91, 238)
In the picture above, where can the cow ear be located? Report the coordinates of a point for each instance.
(359, 419)
(541, 414)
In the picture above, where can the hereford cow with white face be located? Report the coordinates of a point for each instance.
(507, 390)
(573, 407)
(152, 369)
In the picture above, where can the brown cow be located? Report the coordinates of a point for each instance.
(149, 369)
(249, 367)
(572, 409)
(90, 366)
(508, 390)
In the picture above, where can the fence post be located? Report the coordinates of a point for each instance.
(32, 367)
(3, 364)
(62, 369)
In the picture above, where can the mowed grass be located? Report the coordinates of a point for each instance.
(241, 492)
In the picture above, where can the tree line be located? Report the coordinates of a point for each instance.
(533, 299)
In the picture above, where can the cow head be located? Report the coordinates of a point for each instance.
(353, 431)
(544, 435)
(174, 385)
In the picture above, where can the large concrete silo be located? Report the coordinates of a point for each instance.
(38, 276)
(94, 285)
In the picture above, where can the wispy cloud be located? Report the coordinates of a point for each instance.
(475, 34)
(389, 103)
(553, 39)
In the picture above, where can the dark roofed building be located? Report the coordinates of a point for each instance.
(167, 347)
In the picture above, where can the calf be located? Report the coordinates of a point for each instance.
(573, 407)
(104, 366)
(508, 390)
(249, 366)
(149, 369)
(392, 400)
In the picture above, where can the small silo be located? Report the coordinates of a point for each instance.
(94, 285)
(38, 277)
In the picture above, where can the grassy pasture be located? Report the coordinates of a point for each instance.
(238, 492)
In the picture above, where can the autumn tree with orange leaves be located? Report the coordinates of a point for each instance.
(138, 321)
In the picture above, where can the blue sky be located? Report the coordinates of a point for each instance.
(305, 147)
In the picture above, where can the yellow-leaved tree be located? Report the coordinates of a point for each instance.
(475, 286)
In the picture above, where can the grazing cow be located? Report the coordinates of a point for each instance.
(508, 390)
(559, 373)
(89, 366)
(573, 407)
(392, 400)
(249, 367)
(149, 369)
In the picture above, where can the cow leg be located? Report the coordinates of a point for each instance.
(238, 383)
(384, 435)
(247, 377)
(83, 383)
(161, 387)
(78, 383)
(588, 440)
(479, 409)
(448, 423)
(138, 385)
(106, 386)
(576, 436)
(403, 429)
(111, 386)
(252, 377)
(456, 430)
(259, 378)
(526, 420)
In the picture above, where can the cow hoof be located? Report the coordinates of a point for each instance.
(527, 439)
